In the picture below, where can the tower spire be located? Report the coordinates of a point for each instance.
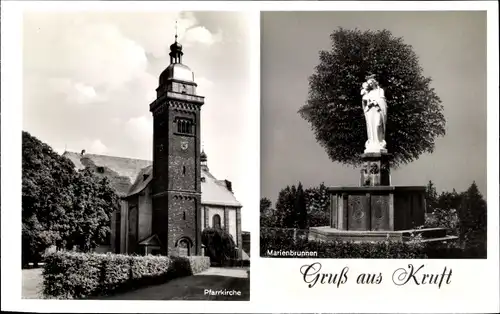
(175, 30)
(176, 49)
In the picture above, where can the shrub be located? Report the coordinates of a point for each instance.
(219, 245)
(443, 218)
(70, 275)
(281, 240)
(341, 249)
(271, 240)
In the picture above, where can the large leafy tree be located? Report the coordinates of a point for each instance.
(45, 197)
(61, 206)
(333, 108)
(87, 222)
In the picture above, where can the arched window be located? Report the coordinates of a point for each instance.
(216, 221)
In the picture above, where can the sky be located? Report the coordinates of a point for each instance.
(452, 50)
(89, 77)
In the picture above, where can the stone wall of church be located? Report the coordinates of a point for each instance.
(182, 220)
(229, 222)
(232, 224)
(183, 154)
(123, 226)
(145, 213)
(212, 211)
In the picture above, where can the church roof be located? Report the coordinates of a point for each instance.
(142, 180)
(130, 176)
(152, 240)
(121, 171)
(216, 192)
(213, 191)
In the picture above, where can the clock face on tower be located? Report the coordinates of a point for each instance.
(184, 145)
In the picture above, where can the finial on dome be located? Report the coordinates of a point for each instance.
(175, 30)
(176, 49)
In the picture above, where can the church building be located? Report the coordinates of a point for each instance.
(167, 203)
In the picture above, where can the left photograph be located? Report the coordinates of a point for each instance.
(132, 159)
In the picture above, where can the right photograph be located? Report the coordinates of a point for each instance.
(373, 134)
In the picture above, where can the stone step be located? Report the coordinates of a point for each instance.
(427, 233)
(443, 239)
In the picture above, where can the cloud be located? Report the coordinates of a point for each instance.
(201, 34)
(95, 72)
(90, 146)
(85, 90)
(95, 55)
(154, 32)
(140, 128)
(75, 92)
(101, 55)
(97, 147)
(204, 86)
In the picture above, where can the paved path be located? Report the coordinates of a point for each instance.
(32, 283)
(194, 287)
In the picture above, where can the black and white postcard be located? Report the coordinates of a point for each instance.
(286, 156)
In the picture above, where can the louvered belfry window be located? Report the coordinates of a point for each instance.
(185, 126)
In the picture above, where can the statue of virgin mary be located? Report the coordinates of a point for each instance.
(375, 109)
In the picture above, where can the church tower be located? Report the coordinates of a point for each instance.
(176, 159)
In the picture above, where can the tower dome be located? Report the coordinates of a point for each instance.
(176, 46)
(176, 70)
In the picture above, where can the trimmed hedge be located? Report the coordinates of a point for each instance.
(342, 249)
(70, 275)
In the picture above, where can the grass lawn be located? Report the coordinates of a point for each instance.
(32, 283)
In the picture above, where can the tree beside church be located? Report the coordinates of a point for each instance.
(61, 207)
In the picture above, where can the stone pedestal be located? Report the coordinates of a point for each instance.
(377, 213)
(376, 169)
(376, 210)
